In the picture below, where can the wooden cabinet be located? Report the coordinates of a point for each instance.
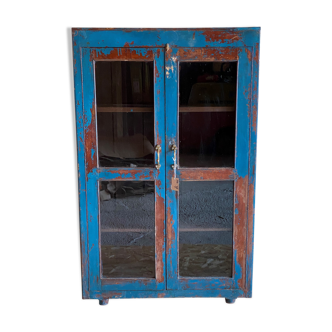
(166, 138)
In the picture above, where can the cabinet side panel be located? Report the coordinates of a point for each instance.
(81, 185)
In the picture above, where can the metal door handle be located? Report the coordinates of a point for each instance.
(174, 148)
(158, 149)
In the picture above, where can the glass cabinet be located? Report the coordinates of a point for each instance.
(166, 138)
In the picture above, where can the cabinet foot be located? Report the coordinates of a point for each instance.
(103, 302)
(230, 301)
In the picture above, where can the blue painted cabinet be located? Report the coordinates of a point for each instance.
(166, 139)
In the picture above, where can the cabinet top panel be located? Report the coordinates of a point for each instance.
(169, 28)
(159, 37)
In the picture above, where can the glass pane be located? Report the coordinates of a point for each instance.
(125, 117)
(127, 222)
(205, 228)
(207, 114)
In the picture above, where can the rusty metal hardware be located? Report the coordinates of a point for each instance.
(174, 148)
(158, 149)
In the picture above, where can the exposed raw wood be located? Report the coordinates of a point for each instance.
(207, 173)
(205, 229)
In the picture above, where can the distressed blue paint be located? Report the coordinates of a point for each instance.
(135, 174)
(98, 174)
(92, 190)
(241, 164)
(88, 87)
(237, 269)
(225, 293)
(247, 39)
(171, 85)
(160, 37)
(159, 102)
(206, 283)
(236, 201)
(169, 294)
(106, 51)
(242, 115)
(93, 231)
(134, 284)
(252, 165)
(81, 168)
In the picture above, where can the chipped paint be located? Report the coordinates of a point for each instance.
(125, 174)
(160, 238)
(212, 174)
(170, 231)
(128, 44)
(170, 68)
(256, 58)
(157, 74)
(90, 139)
(168, 52)
(254, 118)
(225, 37)
(250, 235)
(208, 54)
(248, 52)
(175, 184)
(225, 293)
(122, 54)
(169, 177)
(239, 230)
(241, 45)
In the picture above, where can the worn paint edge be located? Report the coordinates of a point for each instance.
(225, 293)
(204, 37)
(252, 170)
(79, 123)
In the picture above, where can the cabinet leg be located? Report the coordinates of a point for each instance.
(230, 301)
(103, 302)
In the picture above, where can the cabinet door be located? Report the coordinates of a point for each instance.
(207, 139)
(123, 102)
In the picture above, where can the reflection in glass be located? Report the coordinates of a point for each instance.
(127, 222)
(205, 228)
(125, 117)
(207, 114)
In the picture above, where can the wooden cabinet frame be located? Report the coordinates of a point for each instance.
(166, 47)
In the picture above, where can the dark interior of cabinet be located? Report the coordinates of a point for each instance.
(125, 117)
(207, 114)
(125, 123)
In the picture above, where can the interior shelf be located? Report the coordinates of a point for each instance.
(145, 109)
(146, 230)
(124, 109)
(207, 109)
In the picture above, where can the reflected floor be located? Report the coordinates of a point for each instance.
(203, 260)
